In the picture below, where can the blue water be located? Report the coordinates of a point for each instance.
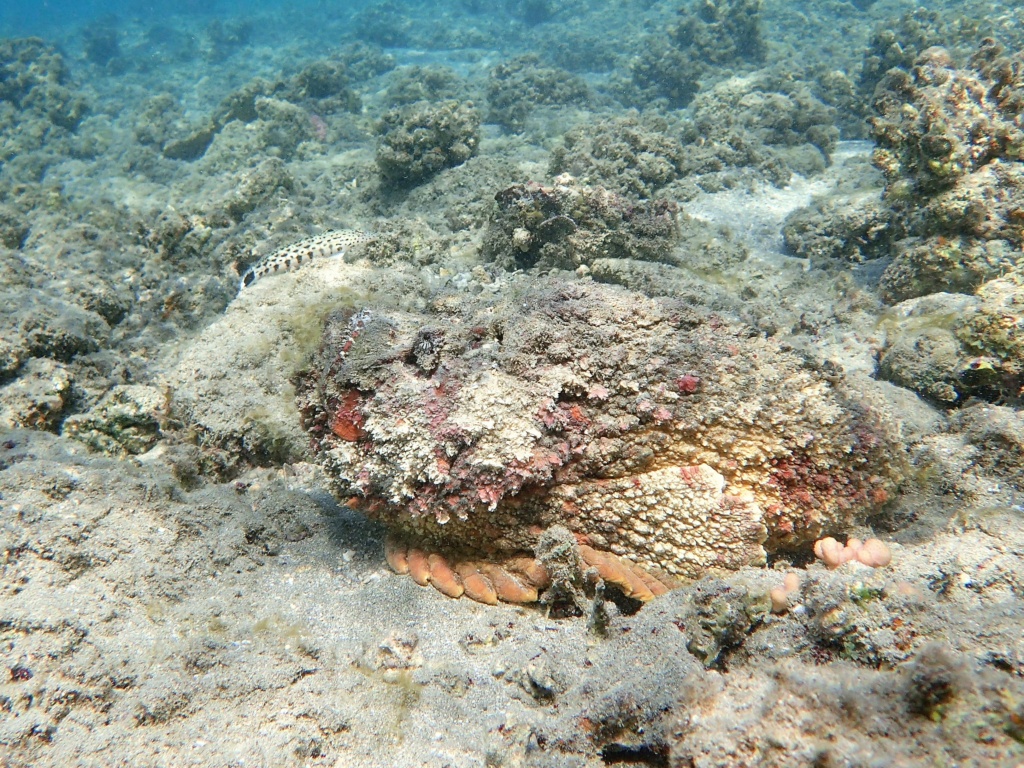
(48, 17)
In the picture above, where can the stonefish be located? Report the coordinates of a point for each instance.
(669, 441)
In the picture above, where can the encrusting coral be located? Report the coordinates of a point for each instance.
(668, 441)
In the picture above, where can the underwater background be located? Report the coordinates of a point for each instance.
(524, 383)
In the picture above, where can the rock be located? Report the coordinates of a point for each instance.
(125, 422)
(38, 397)
(424, 138)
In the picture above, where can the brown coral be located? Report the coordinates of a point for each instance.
(673, 440)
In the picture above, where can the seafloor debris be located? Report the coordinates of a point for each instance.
(670, 439)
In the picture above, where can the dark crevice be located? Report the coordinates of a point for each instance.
(644, 754)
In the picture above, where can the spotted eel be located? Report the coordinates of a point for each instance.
(329, 244)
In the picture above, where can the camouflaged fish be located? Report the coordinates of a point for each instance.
(328, 245)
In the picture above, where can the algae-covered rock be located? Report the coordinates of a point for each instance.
(708, 35)
(950, 145)
(282, 125)
(922, 352)
(993, 335)
(424, 138)
(38, 397)
(852, 228)
(779, 118)
(407, 85)
(516, 88)
(995, 434)
(632, 155)
(125, 422)
(48, 326)
(949, 347)
(35, 79)
(939, 123)
(743, 130)
(923, 266)
(567, 225)
(286, 112)
(897, 42)
(929, 362)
